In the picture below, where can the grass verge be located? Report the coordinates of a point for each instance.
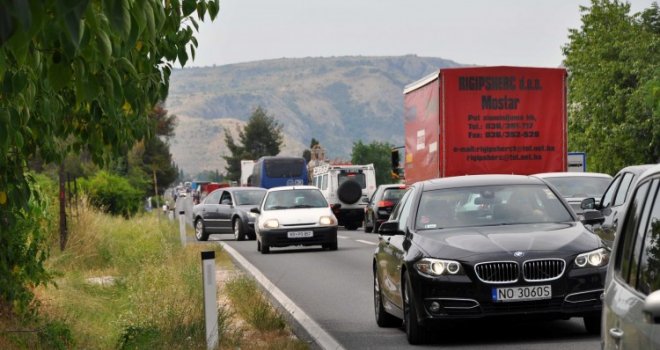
(129, 284)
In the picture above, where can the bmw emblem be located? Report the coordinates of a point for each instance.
(518, 254)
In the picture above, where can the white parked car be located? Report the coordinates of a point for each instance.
(295, 215)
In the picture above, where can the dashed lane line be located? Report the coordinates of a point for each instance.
(366, 242)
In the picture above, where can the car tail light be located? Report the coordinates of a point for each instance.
(385, 204)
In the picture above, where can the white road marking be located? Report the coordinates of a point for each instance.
(342, 237)
(322, 338)
(366, 242)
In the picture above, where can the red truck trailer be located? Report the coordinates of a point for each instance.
(485, 120)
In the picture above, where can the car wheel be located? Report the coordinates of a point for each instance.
(265, 249)
(383, 319)
(200, 231)
(258, 246)
(592, 323)
(239, 233)
(367, 228)
(415, 332)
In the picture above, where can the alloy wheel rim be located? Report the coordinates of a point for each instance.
(198, 229)
(236, 230)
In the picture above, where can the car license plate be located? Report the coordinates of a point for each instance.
(299, 234)
(522, 293)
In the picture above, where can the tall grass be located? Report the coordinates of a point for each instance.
(253, 307)
(154, 299)
(151, 297)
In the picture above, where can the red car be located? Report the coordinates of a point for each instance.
(380, 206)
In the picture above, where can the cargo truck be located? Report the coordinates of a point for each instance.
(485, 120)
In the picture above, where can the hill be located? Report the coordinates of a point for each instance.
(337, 100)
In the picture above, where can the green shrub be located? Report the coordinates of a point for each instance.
(112, 194)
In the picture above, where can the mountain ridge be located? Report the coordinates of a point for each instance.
(336, 100)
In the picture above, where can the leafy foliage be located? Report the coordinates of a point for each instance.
(28, 240)
(262, 136)
(613, 62)
(377, 153)
(77, 75)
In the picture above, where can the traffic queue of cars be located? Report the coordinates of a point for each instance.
(482, 246)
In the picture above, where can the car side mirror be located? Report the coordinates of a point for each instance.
(652, 307)
(255, 210)
(389, 228)
(588, 203)
(592, 216)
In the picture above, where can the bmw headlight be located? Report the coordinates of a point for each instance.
(327, 221)
(595, 258)
(438, 267)
(271, 223)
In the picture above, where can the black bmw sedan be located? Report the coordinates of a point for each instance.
(485, 246)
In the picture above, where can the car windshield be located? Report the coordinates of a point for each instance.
(580, 186)
(393, 194)
(249, 197)
(297, 198)
(489, 205)
(358, 177)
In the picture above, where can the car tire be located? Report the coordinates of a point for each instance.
(265, 249)
(367, 228)
(415, 333)
(383, 319)
(239, 232)
(258, 246)
(200, 231)
(592, 323)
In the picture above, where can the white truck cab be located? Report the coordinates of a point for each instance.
(347, 188)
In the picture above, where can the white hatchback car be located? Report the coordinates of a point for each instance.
(295, 215)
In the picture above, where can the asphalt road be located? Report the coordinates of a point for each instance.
(335, 289)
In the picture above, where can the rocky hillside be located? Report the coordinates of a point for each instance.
(337, 100)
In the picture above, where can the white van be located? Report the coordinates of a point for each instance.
(347, 188)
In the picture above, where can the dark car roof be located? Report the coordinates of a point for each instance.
(236, 189)
(480, 180)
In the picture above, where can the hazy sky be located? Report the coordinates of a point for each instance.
(482, 32)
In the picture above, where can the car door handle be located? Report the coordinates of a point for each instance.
(616, 333)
